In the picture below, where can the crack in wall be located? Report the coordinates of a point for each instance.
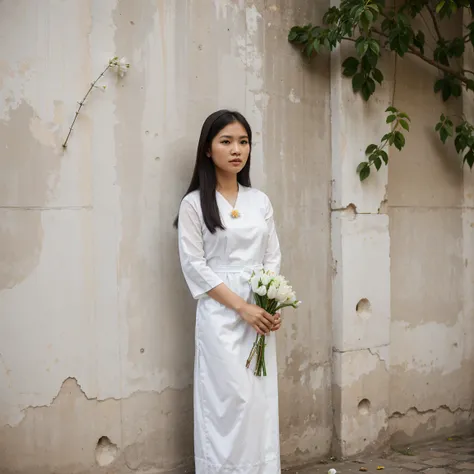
(370, 349)
(415, 410)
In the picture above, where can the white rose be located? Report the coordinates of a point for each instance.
(261, 290)
(272, 291)
(255, 282)
(284, 291)
(278, 279)
(332, 471)
(292, 297)
(266, 279)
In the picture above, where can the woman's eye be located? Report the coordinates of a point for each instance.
(225, 142)
(244, 142)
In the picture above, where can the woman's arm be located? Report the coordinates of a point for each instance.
(258, 318)
(202, 280)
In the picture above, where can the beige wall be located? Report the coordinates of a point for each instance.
(96, 326)
(431, 234)
(96, 323)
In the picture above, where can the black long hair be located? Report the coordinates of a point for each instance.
(204, 175)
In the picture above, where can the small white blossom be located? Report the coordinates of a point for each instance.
(332, 471)
(272, 291)
(121, 65)
(266, 279)
(255, 282)
(283, 293)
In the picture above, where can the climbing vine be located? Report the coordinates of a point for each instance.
(373, 27)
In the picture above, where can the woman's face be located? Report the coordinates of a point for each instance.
(230, 148)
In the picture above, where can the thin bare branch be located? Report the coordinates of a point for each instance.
(435, 21)
(81, 103)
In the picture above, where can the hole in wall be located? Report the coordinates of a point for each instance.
(350, 211)
(364, 406)
(105, 451)
(364, 308)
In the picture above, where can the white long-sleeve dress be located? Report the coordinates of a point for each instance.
(236, 429)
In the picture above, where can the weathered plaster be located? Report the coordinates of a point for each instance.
(150, 430)
(431, 376)
(92, 286)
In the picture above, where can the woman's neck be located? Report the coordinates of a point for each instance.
(227, 183)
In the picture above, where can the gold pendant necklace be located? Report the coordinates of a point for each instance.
(235, 214)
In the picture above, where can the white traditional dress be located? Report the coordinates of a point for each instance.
(236, 429)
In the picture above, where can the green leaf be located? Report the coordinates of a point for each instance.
(456, 48)
(404, 124)
(365, 92)
(469, 158)
(419, 41)
(438, 126)
(384, 156)
(470, 85)
(370, 149)
(449, 127)
(440, 6)
(404, 116)
(303, 38)
(364, 171)
(357, 82)
(460, 143)
(308, 49)
(361, 46)
(368, 88)
(377, 163)
(391, 109)
(375, 47)
(447, 91)
(391, 118)
(351, 63)
(399, 141)
(366, 66)
(292, 35)
(443, 134)
(377, 75)
(456, 89)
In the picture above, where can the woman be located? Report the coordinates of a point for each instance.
(226, 231)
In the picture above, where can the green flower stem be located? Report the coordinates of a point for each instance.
(252, 352)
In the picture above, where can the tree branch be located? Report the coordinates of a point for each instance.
(427, 26)
(81, 103)
(432, 62)
(435, 21)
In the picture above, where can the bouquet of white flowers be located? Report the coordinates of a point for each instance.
(272, 293)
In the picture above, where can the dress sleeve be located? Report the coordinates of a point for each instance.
(272, 259)
(199, 277)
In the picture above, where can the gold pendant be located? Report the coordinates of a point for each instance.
(235, 214)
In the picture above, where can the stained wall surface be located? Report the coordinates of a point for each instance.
(97, 325)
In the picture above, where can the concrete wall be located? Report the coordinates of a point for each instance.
(430, 200)
(96, 324)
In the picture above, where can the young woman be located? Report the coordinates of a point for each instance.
(226, 231)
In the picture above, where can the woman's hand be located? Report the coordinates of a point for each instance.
(277, 323)
(257, 317)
